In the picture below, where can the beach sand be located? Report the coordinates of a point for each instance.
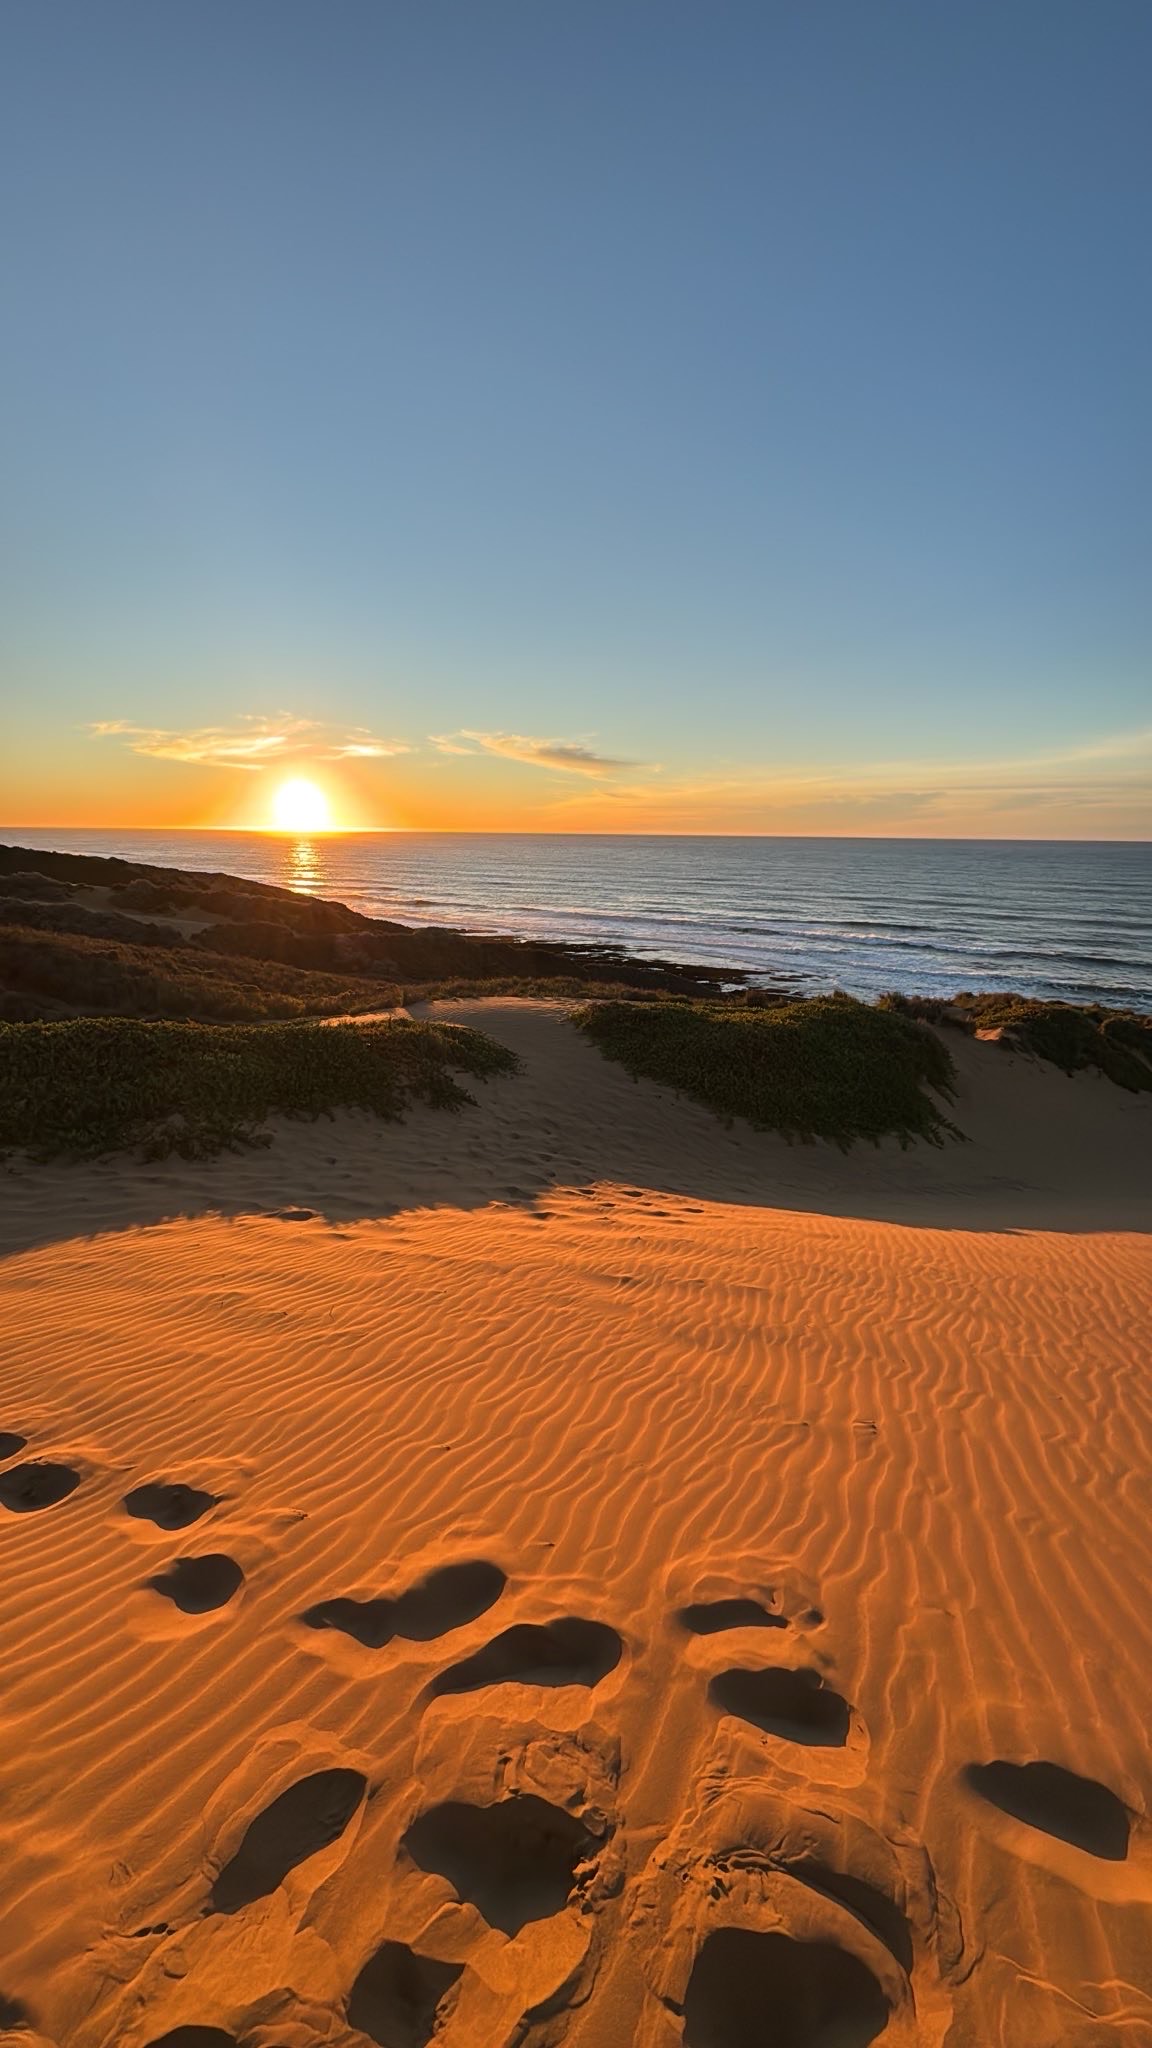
(588, 1575)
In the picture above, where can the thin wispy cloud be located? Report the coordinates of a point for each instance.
(253, 743)
(565, 757)
(1106, 782)
(448, 743)
(362, 745)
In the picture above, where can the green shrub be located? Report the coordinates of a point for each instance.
(928, 1009)
(829, 1067)
(1073, 1036)
(91, 1085)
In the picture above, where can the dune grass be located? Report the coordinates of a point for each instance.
(99, 1084)
(827, 1067)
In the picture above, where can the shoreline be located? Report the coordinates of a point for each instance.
(747, 909)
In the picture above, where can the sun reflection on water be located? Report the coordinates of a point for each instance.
(304, 866)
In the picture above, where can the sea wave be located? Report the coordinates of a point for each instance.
(1053, 919)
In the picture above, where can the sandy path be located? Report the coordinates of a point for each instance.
(624, 1367)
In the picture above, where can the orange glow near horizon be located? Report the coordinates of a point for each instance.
(313, 794)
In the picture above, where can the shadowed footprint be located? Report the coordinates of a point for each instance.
(12, 2013)
(198, 1584)
(514, 1861)
(445, 1600)
(795, 1704)
(396, 1998)
(195, 2037)
(712, 1617)
(170, 1506)
(24, 1488)
(748, 1989)
(1075, 1810)
(878, 1913)
(10, 1443)
(565, 1652)
(303, 1820)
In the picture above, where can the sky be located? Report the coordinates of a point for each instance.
(609, 415)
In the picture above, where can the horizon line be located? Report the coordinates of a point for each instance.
(495, 832)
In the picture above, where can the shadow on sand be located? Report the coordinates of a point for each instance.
(1043, 1152)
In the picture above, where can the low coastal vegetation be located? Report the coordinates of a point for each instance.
(93, 1085)
(46, 975)
(206, 939)
(1073, 1036)
(826, 1067)
(153, 1007)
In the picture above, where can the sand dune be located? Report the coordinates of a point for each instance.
(574, 1573)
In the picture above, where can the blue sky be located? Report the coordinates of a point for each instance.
(752, 398)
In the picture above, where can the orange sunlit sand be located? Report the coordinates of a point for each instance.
(575, 1025)
(723, 1509)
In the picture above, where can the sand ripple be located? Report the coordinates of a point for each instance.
(616, 1618)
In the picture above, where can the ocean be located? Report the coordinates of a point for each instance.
(1055, 918)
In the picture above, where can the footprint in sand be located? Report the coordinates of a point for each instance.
(792, 1703)
(812, 1991)
(196, 1585)
(444, 1600)
(798, 1705)
(10, 1443)
(515, 1860)
(307, 1817)
(1075, 1810)
(786, 1922)
(762, 1892)
(26, 1488)
(569, 1651)
(716, 1617)
(734, 1598)
(402, 1997)
(170, 1504)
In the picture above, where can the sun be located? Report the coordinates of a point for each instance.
(300, 806)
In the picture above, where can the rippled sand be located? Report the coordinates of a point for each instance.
(574, 1573)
